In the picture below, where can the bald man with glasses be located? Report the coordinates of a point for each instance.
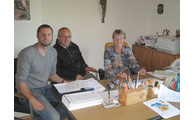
(70, 63)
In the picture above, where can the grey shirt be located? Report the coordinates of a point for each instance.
(33, 68)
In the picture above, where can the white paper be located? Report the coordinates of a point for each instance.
(163, 108)
(168, 94)
(78, 84)
(81, 97)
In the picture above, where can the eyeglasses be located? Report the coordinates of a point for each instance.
(119, 38)
(66, 36)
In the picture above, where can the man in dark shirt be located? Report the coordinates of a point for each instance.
(70, 63)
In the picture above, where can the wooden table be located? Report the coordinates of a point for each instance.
(137, 111)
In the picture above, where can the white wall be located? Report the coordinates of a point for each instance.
(83, 17)
(25, 31)
(170, 18)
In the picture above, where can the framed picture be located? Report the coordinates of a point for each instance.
(21, 10)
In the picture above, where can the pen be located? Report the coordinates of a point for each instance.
(125, 87)
(126, 79)
(108, 95)
(81, 90)
(156, 118)
(66, 98)
(137, 79)
(135, 83)
(110, 86)
(121, 84)
(127, 82)
(88, 89)
(129, 79)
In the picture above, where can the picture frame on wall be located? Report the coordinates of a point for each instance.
(22, 10)
(160, 9)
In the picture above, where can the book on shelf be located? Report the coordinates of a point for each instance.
(81, 100)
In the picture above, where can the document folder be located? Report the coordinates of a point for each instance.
(81, 100)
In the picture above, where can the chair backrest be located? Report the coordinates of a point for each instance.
(108, 44)
(15, 70)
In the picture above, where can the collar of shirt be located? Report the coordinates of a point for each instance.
(122, 51)
(64, 46)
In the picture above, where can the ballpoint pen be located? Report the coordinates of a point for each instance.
(81, 90)
(127, 82)
(135, 83)
(137, 79)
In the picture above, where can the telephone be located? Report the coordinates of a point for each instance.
(175, 65)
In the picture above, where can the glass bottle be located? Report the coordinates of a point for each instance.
(155, 40)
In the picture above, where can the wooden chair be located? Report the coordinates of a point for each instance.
(19, 107)
(108, 44)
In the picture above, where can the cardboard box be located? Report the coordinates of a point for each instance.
(132, 96)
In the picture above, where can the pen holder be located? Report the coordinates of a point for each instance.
(132, 96)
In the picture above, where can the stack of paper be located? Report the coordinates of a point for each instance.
(78, 84)
(168, 94)
(81, 100)
(161, 73)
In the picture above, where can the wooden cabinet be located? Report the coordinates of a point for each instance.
(143, 56)
(152, 59)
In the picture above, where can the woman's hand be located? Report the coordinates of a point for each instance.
(122, 75)
(143, 71)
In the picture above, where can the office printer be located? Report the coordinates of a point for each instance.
(169, 44)
(147, 40)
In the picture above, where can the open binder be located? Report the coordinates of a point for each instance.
(78, 85)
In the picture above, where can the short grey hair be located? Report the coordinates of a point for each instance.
(63, 28)
(119, 31)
